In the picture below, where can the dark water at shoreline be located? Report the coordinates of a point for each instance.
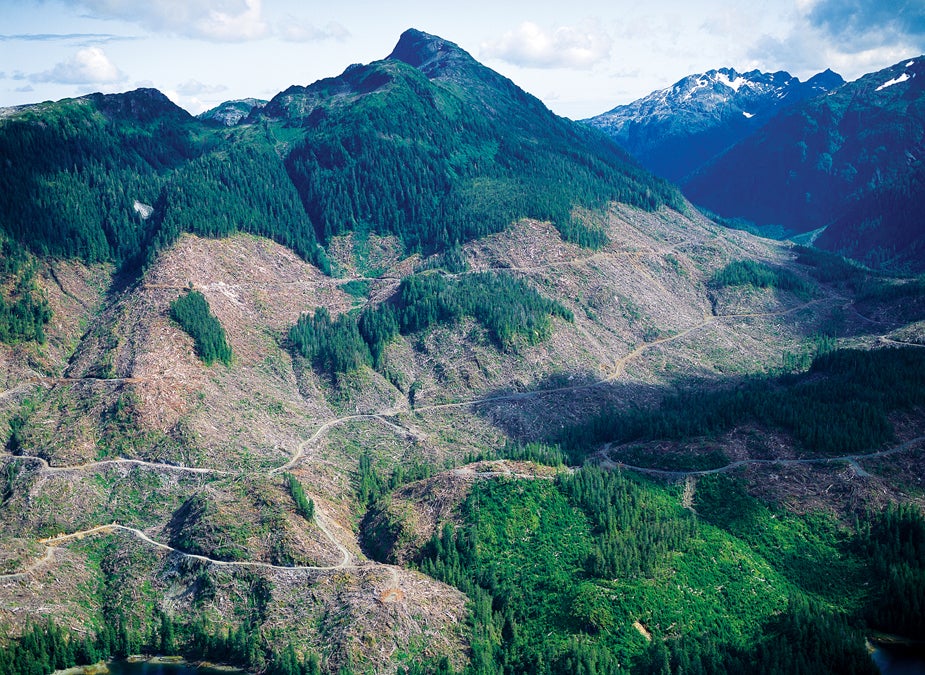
(157, 667)
(893, 660)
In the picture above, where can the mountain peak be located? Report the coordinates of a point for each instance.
(230, 113)
(828, 80)
(703, 114)
(430, 54)
(417, 48)
(144, 105)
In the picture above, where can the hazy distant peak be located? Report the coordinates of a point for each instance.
(675, 130)
(231, 113)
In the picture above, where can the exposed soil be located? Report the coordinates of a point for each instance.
(126, 426)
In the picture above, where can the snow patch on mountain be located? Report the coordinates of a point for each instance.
(895, 80)
(142, 209)
(735, 84)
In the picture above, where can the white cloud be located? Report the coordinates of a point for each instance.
(87, 66)
(294, 30)
(192, 104)
(823, 34)
(217, 20)
(197, 88)
(530, 45)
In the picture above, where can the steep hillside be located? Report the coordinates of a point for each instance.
(675, 131)
(111, 178)
(846, 160)
(212, 442)
(530, 286)
(435, 148)
(427, 144)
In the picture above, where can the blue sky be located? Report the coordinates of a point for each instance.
(580, 58)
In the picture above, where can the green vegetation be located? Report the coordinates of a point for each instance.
(895, 541)
(358, 289)
(23, 308)
(372, 485)
(432, 162)
(248, 521)
(80, 165)
(18, 424)
(830, 267)
(83, 164)
(509, 309)
(436, 163)
(240, 189)
(43, 649)
(565, 577)
(304, 506)
(121, 435)
(331, 346)
(191, 311)
(840, 406)
(630, 537)
(869, 287)
(761, 275)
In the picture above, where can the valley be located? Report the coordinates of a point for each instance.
(399, 372)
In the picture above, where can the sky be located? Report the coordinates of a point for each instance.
(581, 58)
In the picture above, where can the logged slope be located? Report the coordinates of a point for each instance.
(675, 131)
(148, 498)
(809, 167)
(188, 460)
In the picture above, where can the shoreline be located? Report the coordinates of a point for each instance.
(102, 667)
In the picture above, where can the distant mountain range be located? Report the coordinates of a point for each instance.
(849, 161)
(675, 131)
(794, 157)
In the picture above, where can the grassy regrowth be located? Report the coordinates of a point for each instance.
(597, 572)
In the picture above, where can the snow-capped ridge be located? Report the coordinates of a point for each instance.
(674, 130)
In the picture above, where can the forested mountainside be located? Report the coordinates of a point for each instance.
(427, 144)
(402, 373)
(848, 161)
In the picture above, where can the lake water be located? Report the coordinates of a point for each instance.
(158, 668)
(898, 661)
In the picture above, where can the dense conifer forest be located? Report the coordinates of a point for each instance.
(558, 572)
(23, 308)
(840, 406)
(509, 310)
(191, 311)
